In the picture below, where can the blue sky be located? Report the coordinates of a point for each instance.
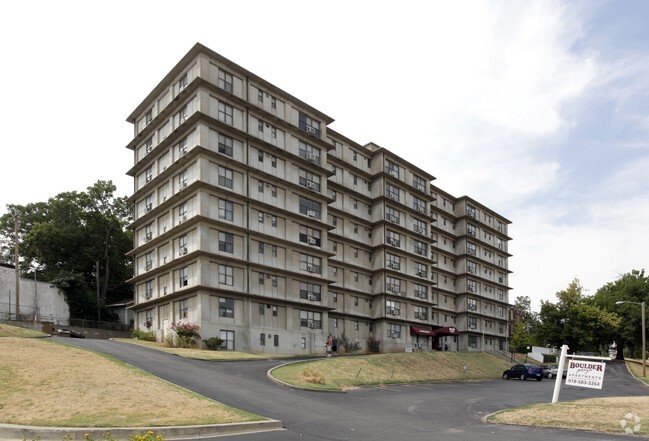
(538, 109)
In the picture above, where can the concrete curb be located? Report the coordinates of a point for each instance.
(10, 432)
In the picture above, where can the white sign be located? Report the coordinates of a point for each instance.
(583, 373)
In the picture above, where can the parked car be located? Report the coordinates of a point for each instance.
(552, 370)
(523, 372)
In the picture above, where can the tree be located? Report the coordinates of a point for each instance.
(525, 327)
(76, 239)
(577, 321)
(630, 287)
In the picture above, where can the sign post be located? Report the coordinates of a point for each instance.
(580, 373)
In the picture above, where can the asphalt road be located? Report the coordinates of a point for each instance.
(432, 411)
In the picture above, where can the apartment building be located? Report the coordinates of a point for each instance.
(260, 223)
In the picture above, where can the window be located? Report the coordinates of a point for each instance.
(473, 341)
(420, 248)
(310, 291)
(148, 117)
(275, 340)
(309, 125)
(225, 177)
(182, 146)
(226, 209)
(471, 267)
(183, 277)
(148, 317)
(310, 263)
(309, 180)
(470, 248)
(225, 81)
(182, 212)
(421, 269)
(310, 208)
(392, 261)
(148, 289)
(310, 319)
(392, 307)
(392, 169)
(418, 183)
(308, 152)
(262, 337)
(392, 238)
(472, 305)
(148, 174)
(228, 340)
(225, 113)
(148, 145)
(226, 275)
(394, 330)
(421, 312)
(310, 235)
(226, 307)
(225, 145)
(226, 242)
(418, 204)
(392, 215)
(421, 291)
(182, 179)
(419, 226)
(182, 83)
(472, 323)
(501, 311)
(393, 285)
(182, 244)
(471, 230)
(181, 116)
(470, 211)
(391, 192)
(471, 286)
(182, 309)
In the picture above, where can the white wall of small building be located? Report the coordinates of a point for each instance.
(48, 302)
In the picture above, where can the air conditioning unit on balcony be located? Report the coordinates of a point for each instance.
(183, 250)
(420, 208)
(311, 240)
(393, 196)
(391, 288)
(311, 297)
(310, 213)
(148, 208)
(392, 241)
(392, 311)
(420, 294)
(182, 219)
(420, 187)
(421, 273)
(148, 237)
(148, 178)
(419, 229)
(310, 268)
(311, 185)
(148, 294)
(392, 218)
(148, 266)
(311, 157)
(312, 325)
(393, 172)
(393, 265)
(311, 130)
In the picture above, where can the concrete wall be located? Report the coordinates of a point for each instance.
(35, 298)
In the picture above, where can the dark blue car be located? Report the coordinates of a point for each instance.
(523, 372)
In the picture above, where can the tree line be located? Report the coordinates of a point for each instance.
(587, 323)
(77, 241)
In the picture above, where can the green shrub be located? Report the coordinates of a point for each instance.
(213, 343)
(143, 335)
(373, 345)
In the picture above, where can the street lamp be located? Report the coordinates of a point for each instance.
(644, 334)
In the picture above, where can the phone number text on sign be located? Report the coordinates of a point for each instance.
(585, 374)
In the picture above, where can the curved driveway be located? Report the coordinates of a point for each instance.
(431, 411)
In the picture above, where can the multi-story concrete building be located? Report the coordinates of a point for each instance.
(257, 221)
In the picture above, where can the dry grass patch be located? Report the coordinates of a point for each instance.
(46, 384)
(17, 331)
(202, 354)
(598, 414)
(355, 371)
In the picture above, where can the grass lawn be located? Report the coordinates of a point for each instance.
(202, 354)
(16, 331)
(339, 373)
(43, 383)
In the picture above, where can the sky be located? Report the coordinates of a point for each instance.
(537, 109)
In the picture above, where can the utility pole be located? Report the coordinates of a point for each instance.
(17, 270)
(98, 296)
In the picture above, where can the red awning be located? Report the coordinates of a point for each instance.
(421, 330)
(446, 330)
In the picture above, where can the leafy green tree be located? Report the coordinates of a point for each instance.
(76, 240)
(630, 287)
(576, 320)
(525, 327)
